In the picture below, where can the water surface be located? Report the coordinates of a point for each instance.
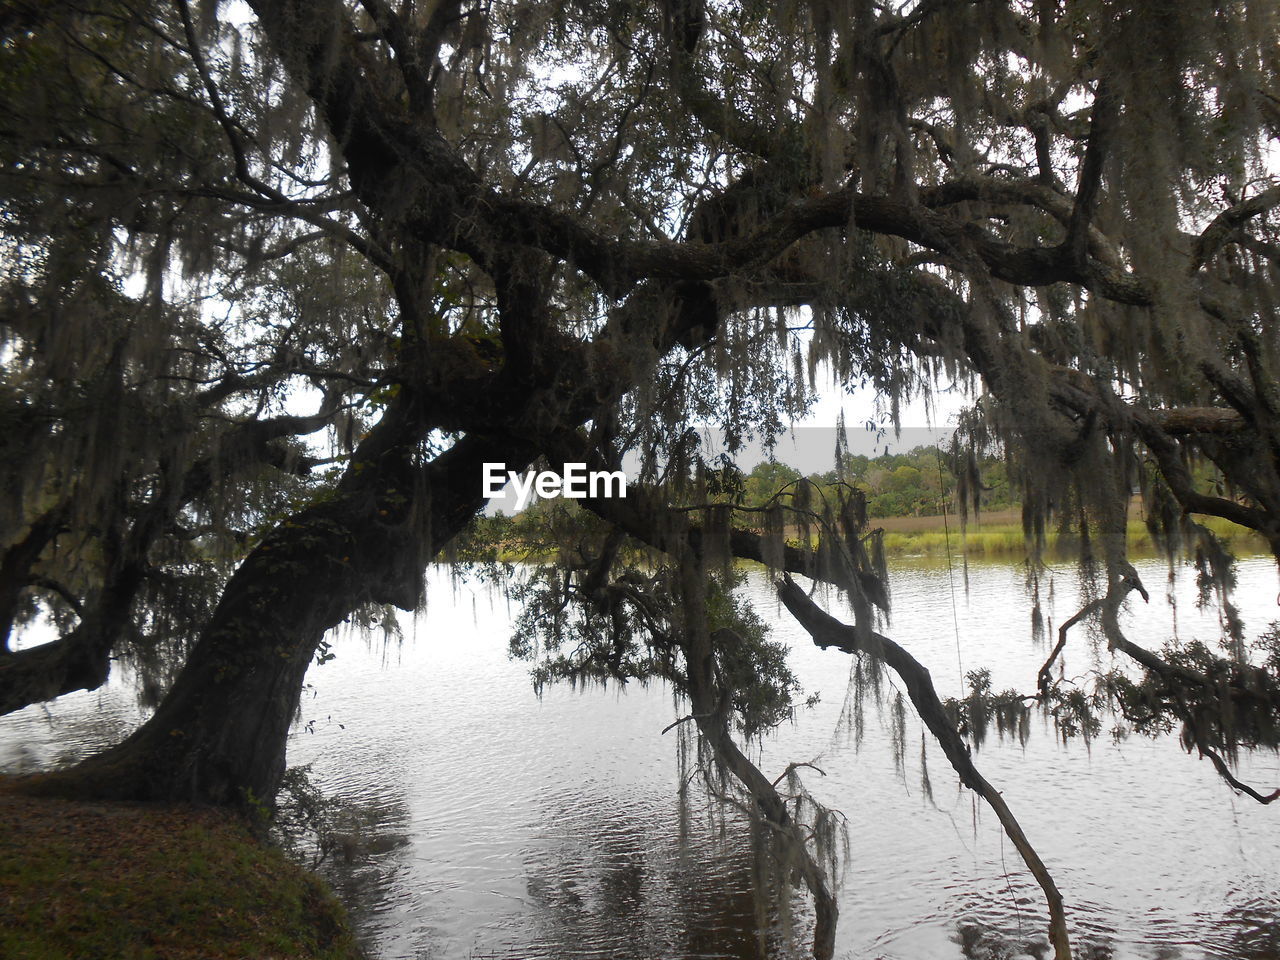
(486, 822)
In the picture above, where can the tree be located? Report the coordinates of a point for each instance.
(766, 479)
(505, 231)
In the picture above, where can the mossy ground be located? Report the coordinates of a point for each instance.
(129, 881)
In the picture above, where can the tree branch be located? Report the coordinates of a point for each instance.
(826, 631)
(1228, 221)
(1101, 133)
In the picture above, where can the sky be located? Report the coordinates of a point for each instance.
(810, 445)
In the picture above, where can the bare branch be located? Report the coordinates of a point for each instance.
(1224, 224)
(826, 631)
(1101, 132)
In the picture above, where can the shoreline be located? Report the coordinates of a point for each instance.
(995, 534)
(1000, 535)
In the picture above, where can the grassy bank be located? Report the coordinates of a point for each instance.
(995, 535)
(118, 881)
(1001, 536)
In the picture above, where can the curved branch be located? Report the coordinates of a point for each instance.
(1043, 680)
(1224, 771)
(16, 564)
(709, 701)
(443, 200)
(1180, 679)
(1101, 132)
(79, 660)
(826, 631)
(1118, 591)
(1224, 224)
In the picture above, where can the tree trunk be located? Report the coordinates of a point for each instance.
(219, 735)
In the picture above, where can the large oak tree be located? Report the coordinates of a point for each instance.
(504, 231)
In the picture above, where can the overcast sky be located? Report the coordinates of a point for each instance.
(811, 444)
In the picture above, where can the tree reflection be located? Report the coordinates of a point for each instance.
(610, 886)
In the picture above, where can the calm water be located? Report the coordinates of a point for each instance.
(488, 823)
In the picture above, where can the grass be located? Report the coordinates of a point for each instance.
(993, 534)
(987, 537)
(128, 881)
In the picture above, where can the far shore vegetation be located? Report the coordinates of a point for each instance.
(913, 497)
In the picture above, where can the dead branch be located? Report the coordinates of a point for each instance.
(826, 631)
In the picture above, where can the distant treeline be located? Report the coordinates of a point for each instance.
(917, 483)
(911, 484)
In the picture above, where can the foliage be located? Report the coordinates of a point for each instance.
(1228, 707)
(627, 632)
(168, 162)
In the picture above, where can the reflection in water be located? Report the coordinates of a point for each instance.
(605, 882)
(491, 823)
(357, 845)
(1252, 930)
(52, 735)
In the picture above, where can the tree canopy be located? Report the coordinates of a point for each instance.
(278, 279)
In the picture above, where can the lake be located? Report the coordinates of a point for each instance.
(481, 821)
